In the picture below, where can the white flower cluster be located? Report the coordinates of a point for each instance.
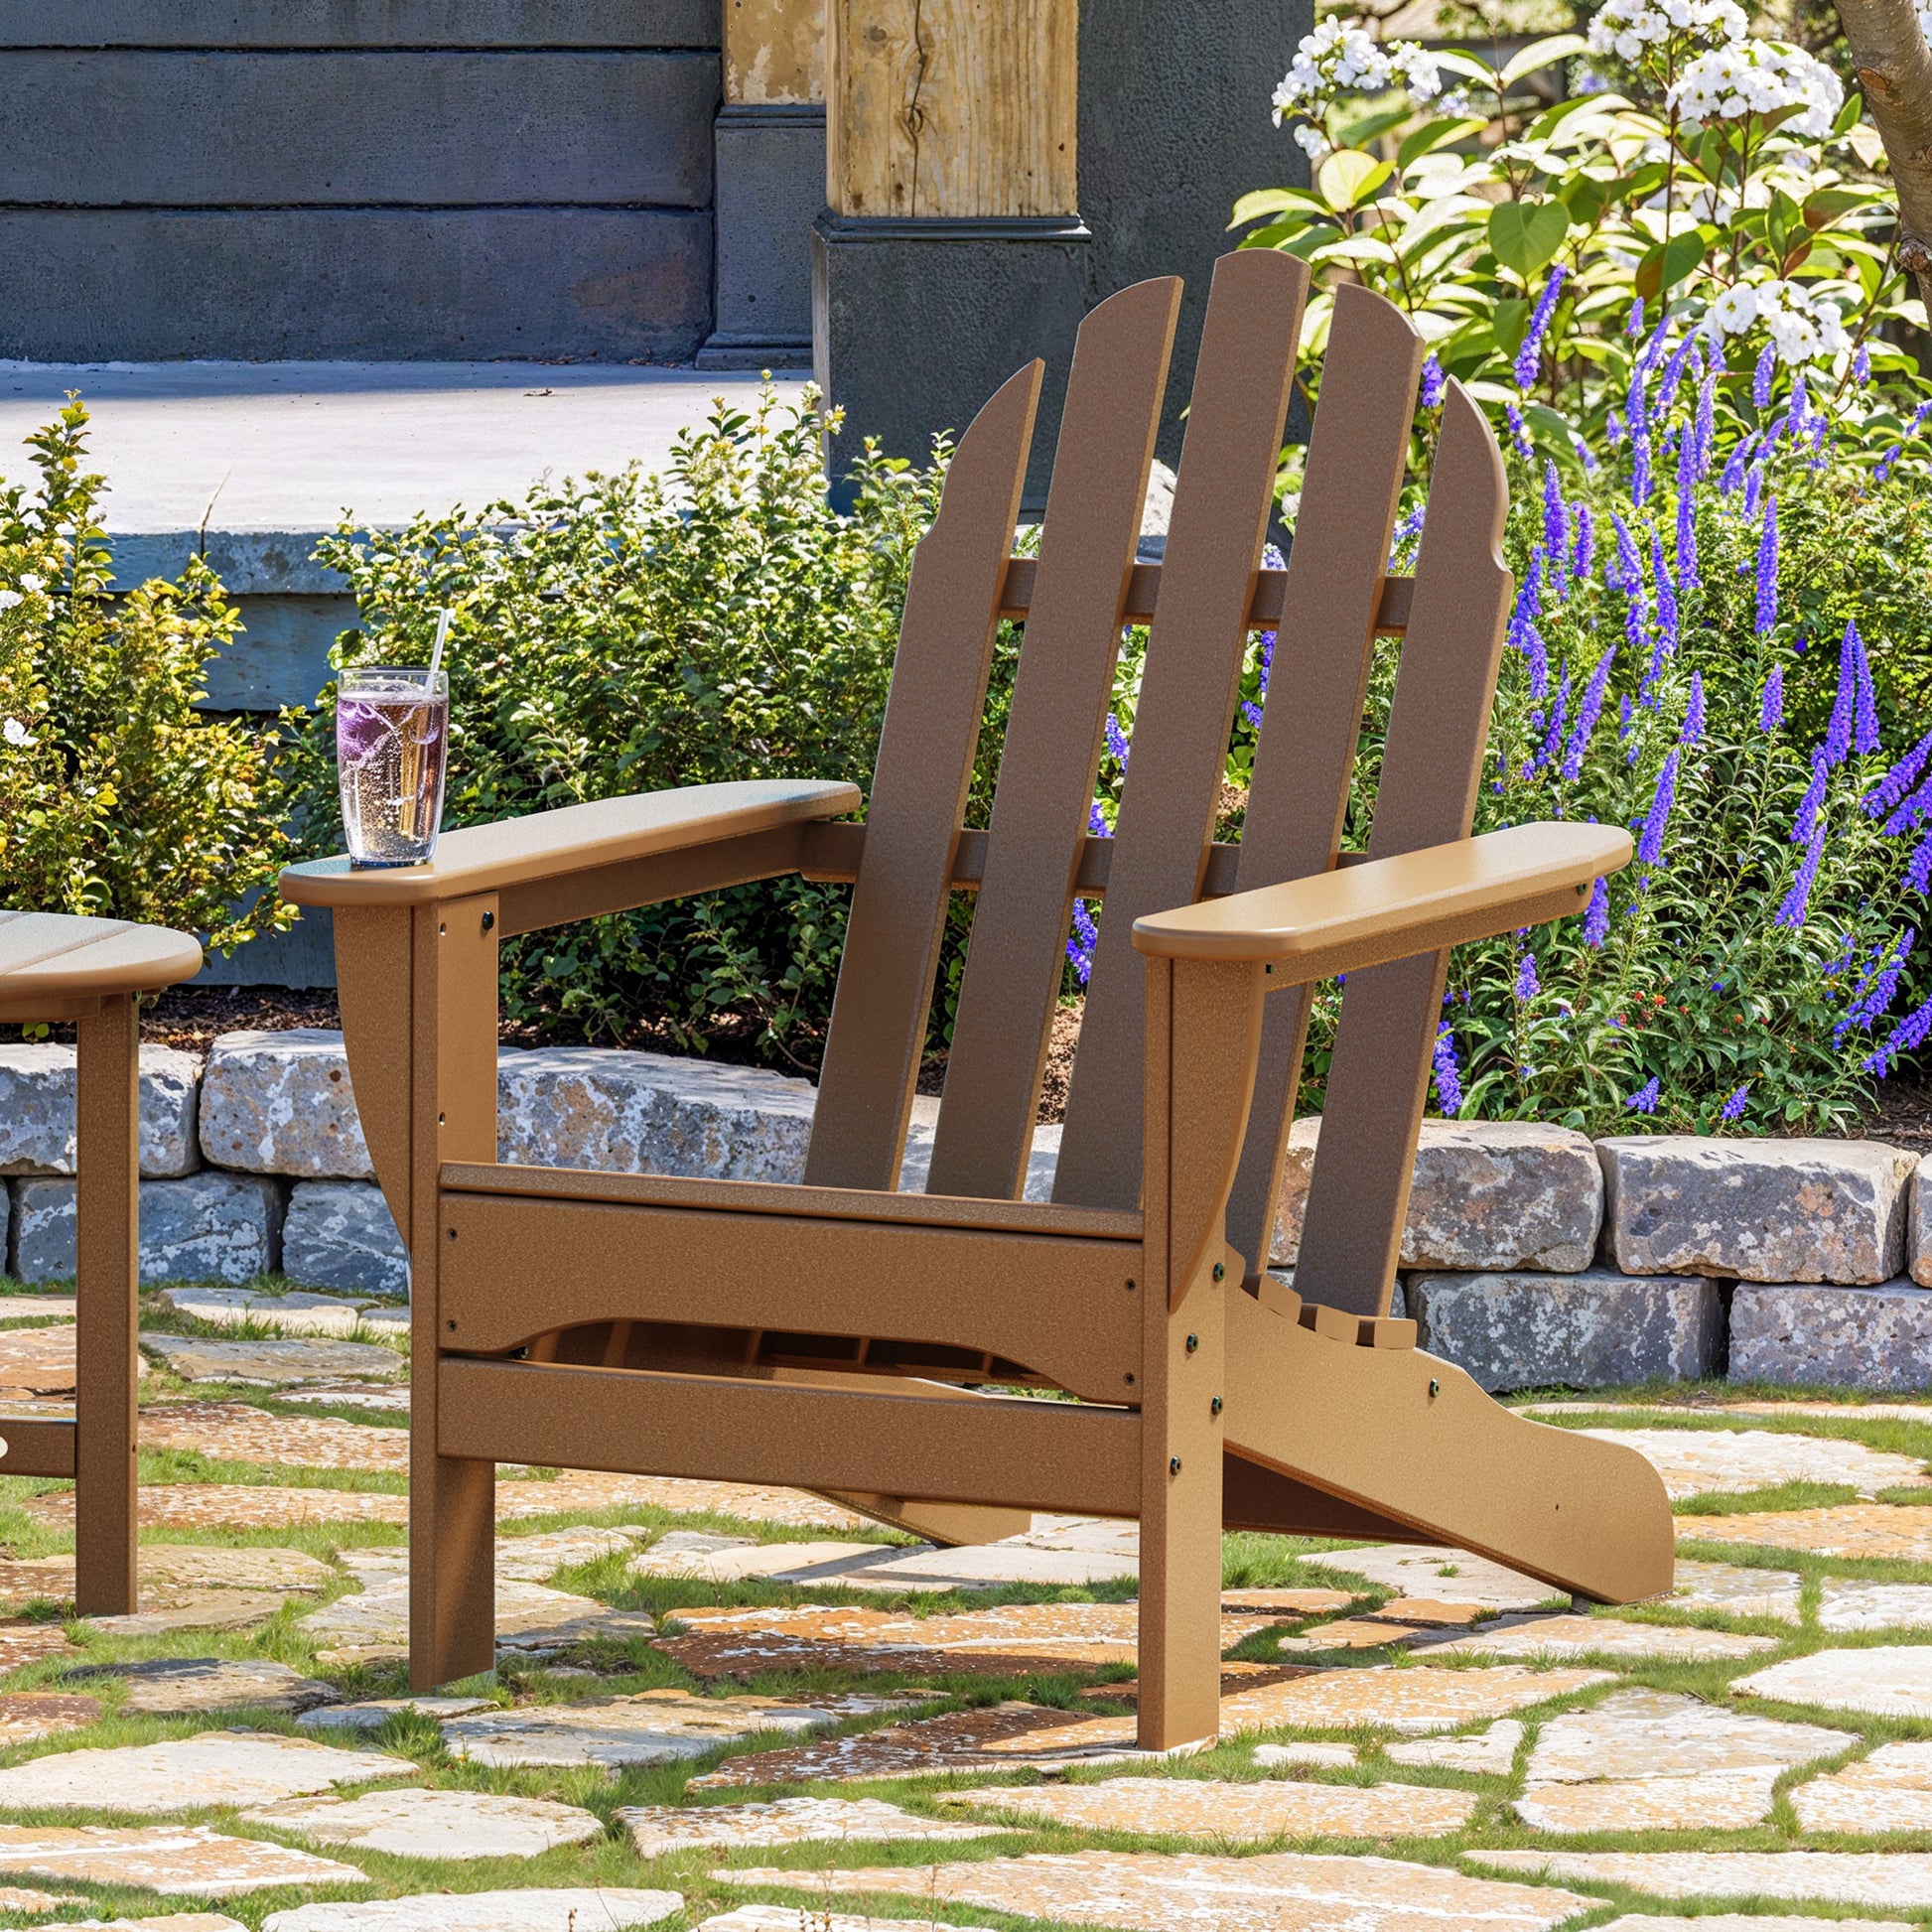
(1803, 327)
(1759, 77)
(1626, 27)
(1336, 58)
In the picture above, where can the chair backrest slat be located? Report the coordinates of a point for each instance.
(1222, 496)
(1431, 764)
(1311, 718)
(1060, 696)
(919, 786)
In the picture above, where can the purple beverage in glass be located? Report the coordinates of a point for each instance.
(392, 732)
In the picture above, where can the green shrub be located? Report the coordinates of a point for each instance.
(117, 797)
(624, 633)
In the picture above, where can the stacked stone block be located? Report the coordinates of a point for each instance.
(1531, 1256)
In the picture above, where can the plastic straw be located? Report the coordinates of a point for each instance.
(445, 618)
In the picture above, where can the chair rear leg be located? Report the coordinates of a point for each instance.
(451, 1567)
(106, 1273)
(1181, 1522)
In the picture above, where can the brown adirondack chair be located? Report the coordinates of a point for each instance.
(56, 966)
(828, 1335)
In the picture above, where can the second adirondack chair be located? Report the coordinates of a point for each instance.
(830, 1335)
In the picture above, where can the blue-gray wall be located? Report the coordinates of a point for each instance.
(268, 179)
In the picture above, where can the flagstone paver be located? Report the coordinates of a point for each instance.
(1890, 1791)
(529, 1617)
(781, 1919)
(236, 1506)
(167, 1859)
(184, 1687)
(1411, 1701)
(433, 1823)
(190, 1609)
(371, 1714)
(1888, 1679)
(575, 1909)
(349, 1394)
(1201, 1808)
(1010, 1639)
(1853, 1603)
(1568, 1636)
(215, 1768)
(1492, 1750)
(233, 1432)
(1729, 1801)
(657, 1829)
(165, 1922)
(1356, 1633)
(1282, 1891)
(1893, 1879)
(595, 1489)
(23, 1898)
(1665, 1734)
(296, 1314)
(32, 1643)
(269, 1364)
(1333, 1757)
(1697, 1461)
(724, 1559)
(650, 1727)
(1735, 1589)
(1901, 1532)
(1420, 1569)
(1287, 1602)
(27, 1716)
(996, 1738)
(536, 1558)
(215, 1566)
(37, 1362)
(1739, 1922)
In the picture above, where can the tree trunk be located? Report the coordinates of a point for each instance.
(1895, 71)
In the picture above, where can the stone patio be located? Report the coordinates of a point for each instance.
(720, 1706)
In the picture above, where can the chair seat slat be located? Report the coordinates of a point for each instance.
(1052, 745)
(1222, 496)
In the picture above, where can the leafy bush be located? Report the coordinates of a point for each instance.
(117, 797)
(717, 621)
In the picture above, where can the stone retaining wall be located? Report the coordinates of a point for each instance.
(1532, 1256)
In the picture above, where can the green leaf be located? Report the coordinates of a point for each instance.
(1585, 198)
(1540, 53)
(1826, 204)
(1273, 200)
(1509, 320)
(1453, 61)
(1432, 135)
(1849, 116)
(1371, 127)
(1669, 262)
(1527, 234)
(1347, 177)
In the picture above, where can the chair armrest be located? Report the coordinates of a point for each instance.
(1392, 909)
(573, 839)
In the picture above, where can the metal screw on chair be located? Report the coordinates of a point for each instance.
(1173, 1465)
(489, 921)
(1214, 1407)
(1220, 1270)
(1194, 1343)
(1435, 1388)
(1130, 1288)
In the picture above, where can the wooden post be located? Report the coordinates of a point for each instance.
(953, 108)
(107, 1208)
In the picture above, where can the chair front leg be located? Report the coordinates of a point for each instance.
(1203, 1030)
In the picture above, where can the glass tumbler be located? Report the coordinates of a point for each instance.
(392, 732)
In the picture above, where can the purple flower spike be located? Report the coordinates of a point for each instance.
(1907, 1037)
(1433, 382)
(1097, 820)
(1693, 711)
(1767, 569)
(1634, 327)
(1526, 982)
(1117, 741)
(1650, 845)
(1529, 358)
(1587, 713)
(1585, 553)
(1674, 374)
(1804, 828)
(1596, 916)
(1770, 712)
(1733, 479)
(1707, 420)
(1448, 1079)
(1518, 432)
(1086, 937)
(1734, 1108)
(1918, 868)
(1644, 1100)
(1558, 712)
(1838, 729)
(1687, 536)
(1555, 521)
(1629, 567)
(1762, 377)
(1898, 781)
(1753, 488)
(1861, 367)
(1866, 709)
(1871, 997)
(1792, 913)
(1538, 655)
